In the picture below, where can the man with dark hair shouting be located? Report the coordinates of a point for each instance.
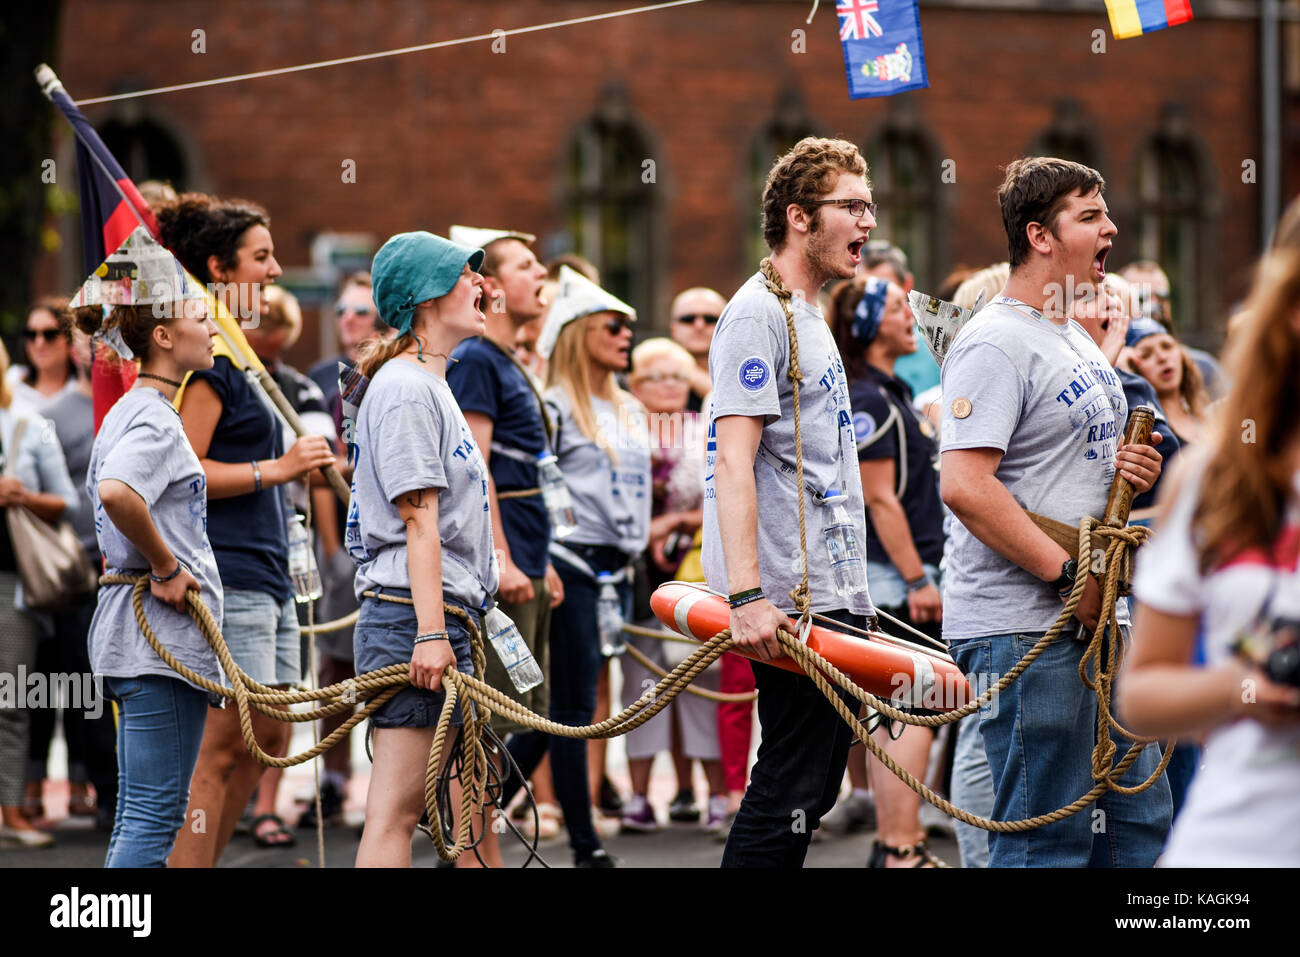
(1032, 417)
(817, 213)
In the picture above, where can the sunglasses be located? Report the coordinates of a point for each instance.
(617, 324)
(690, 320)
(49, 335)
(343, 310)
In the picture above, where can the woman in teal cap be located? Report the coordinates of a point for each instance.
(419, 524)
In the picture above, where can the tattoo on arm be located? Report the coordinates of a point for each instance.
(416, 500)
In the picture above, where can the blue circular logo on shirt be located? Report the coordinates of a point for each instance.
(754, 374)
(863, 426)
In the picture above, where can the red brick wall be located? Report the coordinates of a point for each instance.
(465, 135)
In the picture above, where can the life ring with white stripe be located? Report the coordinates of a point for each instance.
(905, 674)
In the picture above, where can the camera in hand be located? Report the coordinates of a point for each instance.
(1283, 662)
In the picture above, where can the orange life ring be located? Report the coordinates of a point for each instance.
(903, 673)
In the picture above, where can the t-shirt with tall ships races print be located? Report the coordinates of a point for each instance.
(749, 362)
(1045, 396)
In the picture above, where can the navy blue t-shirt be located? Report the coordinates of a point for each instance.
(886, 427)
(485, 380)
(1138, 391)
(247, 532)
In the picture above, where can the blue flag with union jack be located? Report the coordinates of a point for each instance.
(882, 46)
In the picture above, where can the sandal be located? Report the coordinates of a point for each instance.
(81, 804)
(280, 836)
(881, 852)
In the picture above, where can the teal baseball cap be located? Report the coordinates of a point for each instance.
(415, 267)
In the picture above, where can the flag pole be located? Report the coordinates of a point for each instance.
(255, 371)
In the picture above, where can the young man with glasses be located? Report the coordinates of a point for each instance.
(695, 314)
(817, 215)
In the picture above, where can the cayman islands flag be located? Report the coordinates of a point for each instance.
(1131, 18)
(882, 46)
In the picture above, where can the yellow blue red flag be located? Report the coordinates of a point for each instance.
(1131, 18)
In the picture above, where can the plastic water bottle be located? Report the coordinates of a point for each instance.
(302, 563)
(609, 617)
(847, 566)
(509, 645)
(559, 503)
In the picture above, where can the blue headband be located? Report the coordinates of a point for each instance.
(866, 318)
(1139, 328)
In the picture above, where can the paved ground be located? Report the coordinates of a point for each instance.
(677, 846)
(80, 846)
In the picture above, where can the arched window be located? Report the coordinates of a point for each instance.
(905, 178)
(1070, 137)
(1171, 217)
(609, 207)
(790, 124)
(146, 150)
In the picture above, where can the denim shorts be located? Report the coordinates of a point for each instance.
(385, 635)
(262, 635)
(888, 589)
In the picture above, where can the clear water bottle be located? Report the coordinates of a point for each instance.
(509, 645)
(609, 617)
(847, 565)
(559, 503)
(302, 563)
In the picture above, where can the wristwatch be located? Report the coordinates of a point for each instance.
(1069, 572)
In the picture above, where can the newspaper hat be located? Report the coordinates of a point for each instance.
(140, 272)
(576, 297)
(478, 238)
(939, 320)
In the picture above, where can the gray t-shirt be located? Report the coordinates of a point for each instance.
(411, 436)
(1046, 397)
(611, 501)
(749, 364)
(73, 415)
(142, 444)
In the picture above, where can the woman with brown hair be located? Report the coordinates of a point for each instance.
(228, 244)
(1158, 357)
(47, 341)
(1228, 553)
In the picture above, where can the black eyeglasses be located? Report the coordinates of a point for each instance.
(690, 320)
(617, 324)
(857, 207)
(49, 335)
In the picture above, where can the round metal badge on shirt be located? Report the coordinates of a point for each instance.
(960, 408)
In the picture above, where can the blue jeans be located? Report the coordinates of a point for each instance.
(159, 730)
(576, 662)
(1038, 735)
(801, 760)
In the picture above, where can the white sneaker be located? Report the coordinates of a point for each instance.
(852, 814)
